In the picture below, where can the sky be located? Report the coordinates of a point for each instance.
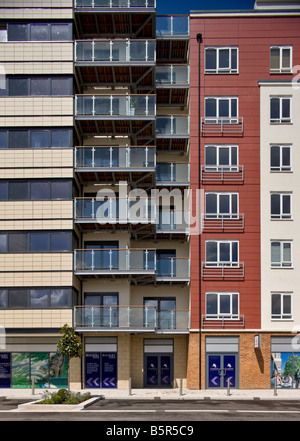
(185, 6)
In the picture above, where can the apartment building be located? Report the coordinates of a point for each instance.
(247, 111)
(94, 126)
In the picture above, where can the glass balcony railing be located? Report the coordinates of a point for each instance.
(131, 318)
(115, 210)
(172, 174)
(123, 51)
(115, 261)
(115, 157)
(172, 126)
(116, 105)
(173, 221)
(172, 268)
(173, 26)
(111, 4)
(172, 75)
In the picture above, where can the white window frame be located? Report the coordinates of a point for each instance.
(223, 70)
(282, 119)
(216, 119)
(281, 215)
(281, 167)
(219, 315)
(282, 315)
(217, 166)
(282, 263)
(282, 69)
(218, 215)
(218, 262)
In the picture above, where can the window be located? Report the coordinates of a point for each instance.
(221, 305)
(225, 108)
(221, 60)
(43, 241)
(222, 253)
(221, 205)
(101, 309)
(281, 306)
(38, 298)
(36, 190)
(281, 59)
(221, 157)
(280, 110)
(39, 31)
(281, 254)
(40, 86)
(281, 158)
(36, 138)
(281, 206)
(161, 312)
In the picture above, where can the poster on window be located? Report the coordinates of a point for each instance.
(285, 370)
(5, 369)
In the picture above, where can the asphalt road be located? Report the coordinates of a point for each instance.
(151, 416)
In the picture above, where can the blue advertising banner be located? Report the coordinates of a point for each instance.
(214, 365)
(109, 370)
(92, 370)
(5, 369)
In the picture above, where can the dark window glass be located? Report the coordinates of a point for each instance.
(18, 86)
(61, 190)
(17, 32)
(18, 191)
(39, 298)
(39, 32)
(39, 139)
(3, 191)
(234, 59)
(40, 86)
(3, 243)
(40, 191)
(223, 107)
(211, 156)
(211, 59)
(3, 140)
(61, 86)
(210, 107)
(18, 139)
(17, 242)
(276, 304)
(39, 242)
(275, 157)
(286, 108)
(3, 298)
(275, 204)
(275, 105)
(61, 242)
(224, 58)
(211, 251)
(61, 138)
(18, 298)
(61, 297)
(286, 157)
(212, 304)
(61, 32)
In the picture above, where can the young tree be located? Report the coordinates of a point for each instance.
(69, 345)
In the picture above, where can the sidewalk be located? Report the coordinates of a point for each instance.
(165, 394)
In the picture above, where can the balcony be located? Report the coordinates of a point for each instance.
(222, 174)
(236, 321)
(173, 269)
(173, 225)
(130, 116)
(130, 318)
(172, 85)
(223, 222)
(223, 270)
(176, 26)
(172, 175)
(104, 164)
(212, 126)
(135, 264)
(115, 4)
(173, 38)
(172, 132)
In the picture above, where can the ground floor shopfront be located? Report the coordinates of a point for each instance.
(242, 360)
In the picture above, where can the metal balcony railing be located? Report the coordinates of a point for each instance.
(173, 26)
(115, 106)
(173, 221)
(173, 75)
(215, 321)
(106, 158)
(222, 173)
(172, 126)
(115, 51)
(115, 261)
(111, 4)
(172, 268)
(131, 318)
(233, 221)
(223, 270)
(172, 174)
(222, 125)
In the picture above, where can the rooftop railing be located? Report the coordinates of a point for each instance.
(173, 26)
(111, 4)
